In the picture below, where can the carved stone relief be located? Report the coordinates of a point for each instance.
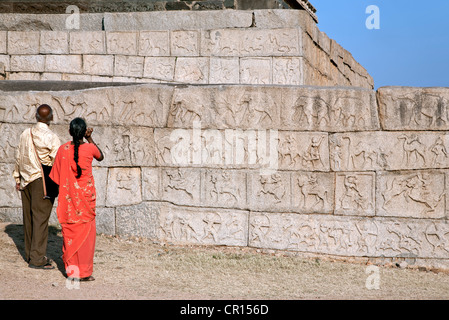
(313, 192)
(349, 236)
(405, 150)
(269, 192)
(181, 186)
(203, 226)
(355, 193)
(124, 186)
(334, 110)
(418, 194)
(414, 108)
(224, 188)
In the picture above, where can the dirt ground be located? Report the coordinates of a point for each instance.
(136, 269)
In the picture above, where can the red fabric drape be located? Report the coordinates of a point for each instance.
(76, 205)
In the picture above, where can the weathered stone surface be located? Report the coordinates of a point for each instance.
(175, 20)
(303, 151)
(87, 42)
(3, 42)
(251, 42)
(22, 42)
(192, 70)
(224, 188)
(160, 68)
(28, 63)
(335, 110)
(10, 197)
(355, 193)
(121, 43)
(256, 71)
(224, 70)
(100, 178)
(54, 42)
(64, 63)
(141, 220)
(404, 150)
(184, 43)
(154, 43)
(406, 108)
(270, 192)
(102, 65)
(288, 71)
(313, 192)
(124, 187)
(105, 220)
(203, 226)
(181, 186)
(417, 194)
(349, 236)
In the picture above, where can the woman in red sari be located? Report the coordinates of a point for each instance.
(72, 171)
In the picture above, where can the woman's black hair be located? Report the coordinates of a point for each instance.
(77, 131)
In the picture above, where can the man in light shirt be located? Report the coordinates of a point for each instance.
(37, 141)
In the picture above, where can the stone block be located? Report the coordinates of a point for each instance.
(329, 109)
(407, 108)
(128, 66)
(124, 187)
(271, 192)
(101, 182)
(143, 105)
(288, 71)
(206, 226)
(154, 43)
(184, 43)
(270, 42)
(27, 63)
(220, 43)
(28, 76)
(151, 183)
(382, 150)
(192, 70)
(23, 42)
(224, 70)
(99, 65)
(54, 42)
(313, 192)
(303, 151)
(349, 236)
(105, 221)
(64, 63)
(76, 77)
(177, 20)
(5, 60)
(3, 42)
(256, 71)
(141, 220)
(224, 188)
(181, 186)
(412, 194)
(87, 42)
(49, 76)
(9, 197)
(160, 68)
(121, 43)
(355, 193)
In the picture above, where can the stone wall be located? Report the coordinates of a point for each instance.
(270, 47)
(346, 172)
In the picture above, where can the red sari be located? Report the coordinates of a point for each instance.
(76, 207)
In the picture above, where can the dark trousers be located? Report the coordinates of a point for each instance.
(36, 213)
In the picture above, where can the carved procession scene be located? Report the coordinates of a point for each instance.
(242, 128)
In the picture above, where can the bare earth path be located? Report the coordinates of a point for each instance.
(140, 269)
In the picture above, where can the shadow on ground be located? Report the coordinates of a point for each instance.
(54, 248)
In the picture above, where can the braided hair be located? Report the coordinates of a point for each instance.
(77, 131)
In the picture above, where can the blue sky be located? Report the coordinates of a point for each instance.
(411, 48)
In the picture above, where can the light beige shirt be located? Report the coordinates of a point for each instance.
(27, 167)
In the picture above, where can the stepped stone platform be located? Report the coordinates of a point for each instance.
(340, 171)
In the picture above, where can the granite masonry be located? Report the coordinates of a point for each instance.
(234, 127)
